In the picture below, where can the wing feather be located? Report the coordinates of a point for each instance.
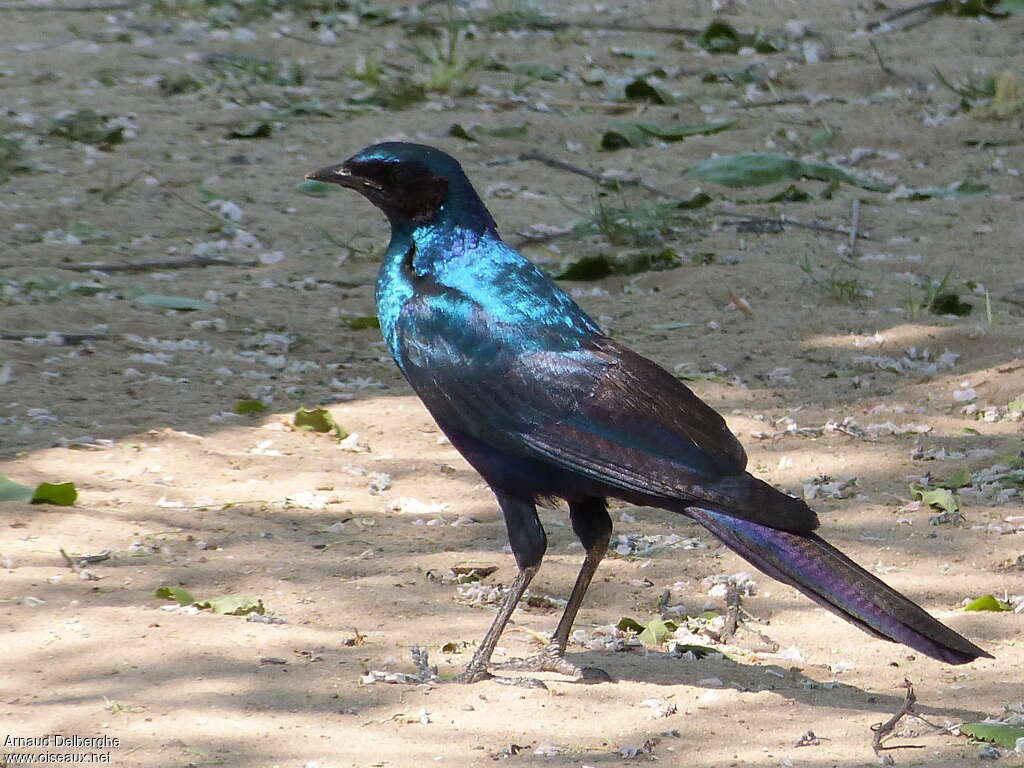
(586, 405)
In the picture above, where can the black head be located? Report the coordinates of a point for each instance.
(411, 183)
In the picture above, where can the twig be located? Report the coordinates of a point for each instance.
(890, 72)
(732, 612)
(77, 564)
(779, 102)
(786, 220)
(597, 178)
(881, 730)
(878, 56)
(611, 106)
(663, 604)
(928, 9)
(189, 203)
(623, 26)
(143, 266)
(854, 224)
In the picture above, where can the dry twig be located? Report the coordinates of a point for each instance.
(928, 10)
(854, 224)
(883, 730)
(144, 266)
(732, 613)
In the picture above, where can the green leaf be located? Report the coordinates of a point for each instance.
(941, 498)
(87, 127)
(969, 431)
(644, 54)
(314, 188)
(587, 268)
(654, 632)
(234, 605)
(959, 479)
(962, 190)
(791, 194)
(681, 131)
(642, 90)
(950, 304)
(475, 132)
(246, 407)
(699, 200)
(536, 69)
(821, 139)
(760, 168)
(765, 43)
(638, 134)
(988, 603)
(700, 651)
(459, 131)
(626, 623)
(176, 593)
(743, 76)
(647, 261)
(12, 491)
(318, 420)
(622, 135)
(363, 322)
(1016, 405)
(657, 631)
(719, 37)
(61, 494)
(257, 129)
(171, 302)
(227, 605)
(997, 733)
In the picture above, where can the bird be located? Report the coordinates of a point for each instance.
(544, 405)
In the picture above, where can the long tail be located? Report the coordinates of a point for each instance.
(827, 576)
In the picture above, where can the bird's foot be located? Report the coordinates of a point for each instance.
(552, 659)
(472, 675)
(427, 673)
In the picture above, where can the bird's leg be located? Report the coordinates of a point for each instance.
(526, 535)
(477, 668)
(593, 526)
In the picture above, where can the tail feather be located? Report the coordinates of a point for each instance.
(827, 576)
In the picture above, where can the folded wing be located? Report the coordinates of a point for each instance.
(587, 405)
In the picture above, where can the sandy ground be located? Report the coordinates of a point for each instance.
(349, 548)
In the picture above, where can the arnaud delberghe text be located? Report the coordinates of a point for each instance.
(52, 740)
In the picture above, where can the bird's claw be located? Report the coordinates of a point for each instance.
(427, 673)
(478, 675)
(552, 660)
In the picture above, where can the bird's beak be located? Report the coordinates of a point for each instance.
(343, 176)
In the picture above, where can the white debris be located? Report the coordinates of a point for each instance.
(410, 506)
